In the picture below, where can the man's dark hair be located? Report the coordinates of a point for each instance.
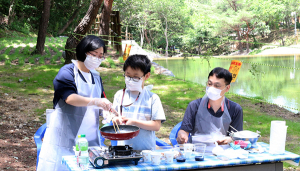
(87, 44)
(138, 62)
(221, 73)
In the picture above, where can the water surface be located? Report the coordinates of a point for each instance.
(273, 79)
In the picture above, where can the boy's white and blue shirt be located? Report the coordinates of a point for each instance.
(150, 108)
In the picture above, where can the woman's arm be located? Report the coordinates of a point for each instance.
(77, 100)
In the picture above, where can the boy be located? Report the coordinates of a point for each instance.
(137, 105)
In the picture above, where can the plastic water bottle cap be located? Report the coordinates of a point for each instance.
(79, 136)
(82, 135)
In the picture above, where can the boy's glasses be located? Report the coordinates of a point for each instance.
(135, 79)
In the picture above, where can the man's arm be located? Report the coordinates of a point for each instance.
(188, 122)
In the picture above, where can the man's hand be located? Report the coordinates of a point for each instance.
(182, 137)
(224, 141)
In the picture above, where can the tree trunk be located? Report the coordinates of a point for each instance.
(82, 28)
(43, 28)
(142, 37)
(166, 36)
(11, 12)
(71, 19)
(105, 19)
(240, 43)
(148, 41)
(199, 47)
(126, 33)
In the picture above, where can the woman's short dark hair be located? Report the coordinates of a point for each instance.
(138, 62)
(87, 44)
(221, 73)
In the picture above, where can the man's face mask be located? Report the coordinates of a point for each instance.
(213, 93)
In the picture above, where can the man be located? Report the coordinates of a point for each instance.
(208, 118)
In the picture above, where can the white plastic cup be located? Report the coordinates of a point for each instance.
(188, 147)
(155, 158)
(147, 155)
(199, 149)
(169, 155)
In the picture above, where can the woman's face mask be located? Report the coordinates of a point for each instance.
(133, 85)
(91, 62)
(213, 93)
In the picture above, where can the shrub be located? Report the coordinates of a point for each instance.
(7, 62)
(111, 63)
(121, 59)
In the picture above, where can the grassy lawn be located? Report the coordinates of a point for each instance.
(34, 80)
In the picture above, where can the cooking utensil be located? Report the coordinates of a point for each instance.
(233, 128)
(126, 132)
(245, 136)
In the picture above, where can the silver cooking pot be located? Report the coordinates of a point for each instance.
(245, 136)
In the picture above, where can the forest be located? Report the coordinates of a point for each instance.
(191, 26)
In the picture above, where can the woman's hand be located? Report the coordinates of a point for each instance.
(101, 102)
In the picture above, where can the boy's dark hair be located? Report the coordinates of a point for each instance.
(221, 73)
(138, 62)
(88, 43)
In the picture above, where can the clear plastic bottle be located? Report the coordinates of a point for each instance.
(77, 149)
(83, 153)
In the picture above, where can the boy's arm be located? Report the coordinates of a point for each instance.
(153, 125)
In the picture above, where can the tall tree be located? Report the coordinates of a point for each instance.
(11, 11)
(105, 20)
(40, 44)
(81, 30)
(75, 13)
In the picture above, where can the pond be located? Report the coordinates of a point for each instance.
(274, 79)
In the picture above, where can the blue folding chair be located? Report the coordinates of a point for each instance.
(38, 136)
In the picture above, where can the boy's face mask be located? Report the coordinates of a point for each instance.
(133, 85)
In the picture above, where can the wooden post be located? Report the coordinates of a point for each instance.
(118, 31)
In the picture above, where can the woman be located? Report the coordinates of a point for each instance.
(78, 96)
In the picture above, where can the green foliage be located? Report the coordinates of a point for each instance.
(121, 59)
(7, 62)
(254, 52)
(21, 27)
(111, 62)
(152, 69)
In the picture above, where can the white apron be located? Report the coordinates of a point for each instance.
(67, 122)
(140, 110)
(209, 128)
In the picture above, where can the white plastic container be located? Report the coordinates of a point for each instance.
(48, 114)
(83, 153)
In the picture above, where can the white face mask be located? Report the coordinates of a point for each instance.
(213, 93)
(92, 62)
(132, 85)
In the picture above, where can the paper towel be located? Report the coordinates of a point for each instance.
(277, 137)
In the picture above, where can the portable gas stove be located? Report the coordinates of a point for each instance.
(100, 157)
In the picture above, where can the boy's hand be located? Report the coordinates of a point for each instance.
(128, 121)
(119, 120)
